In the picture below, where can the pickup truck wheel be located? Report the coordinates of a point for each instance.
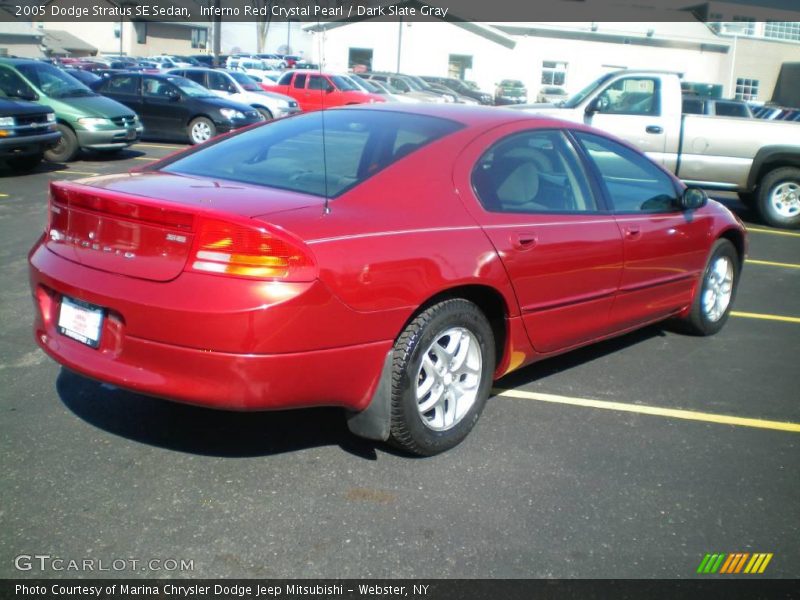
(67, 147)
(716, 290)
(442, 374)
(779, 198)
(23, 164)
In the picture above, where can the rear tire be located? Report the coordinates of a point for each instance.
(23, 164)
(201, 130)
(716, 290)
(779, 198)
(67, 147)
(442, 374)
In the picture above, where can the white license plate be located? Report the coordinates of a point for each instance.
(80, 321)
(131, 134)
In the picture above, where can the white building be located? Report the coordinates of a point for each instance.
(568, 54)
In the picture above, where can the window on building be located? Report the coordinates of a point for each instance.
(782, 30)
(743, 25)
(746, 89)
(554, 72)
(360, 59)
(199, 38)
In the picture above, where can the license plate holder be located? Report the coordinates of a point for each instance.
(81, 321)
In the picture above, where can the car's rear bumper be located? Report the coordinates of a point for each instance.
(228, 345)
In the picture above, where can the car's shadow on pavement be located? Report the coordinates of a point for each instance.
(574, 358)
(196, 430)
(203, 431)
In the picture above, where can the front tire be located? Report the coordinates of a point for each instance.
(779, 198)
(201, 130)
(442, 374)
(67, 147)
(265, 113)
(716, 291)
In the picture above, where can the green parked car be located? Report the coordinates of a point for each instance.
(85, 119)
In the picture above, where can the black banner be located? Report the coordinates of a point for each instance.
(351, 589)
(390, 10)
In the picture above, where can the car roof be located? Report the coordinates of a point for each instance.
(472, 115)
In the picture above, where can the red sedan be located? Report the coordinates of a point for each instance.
(314, 90)
(390, 261)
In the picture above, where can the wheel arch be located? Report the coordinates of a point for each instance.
(488, 299)
(770, 158)
(736, 237)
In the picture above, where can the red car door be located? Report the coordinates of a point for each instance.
(322, 93)
(561, 248)
(665, 247)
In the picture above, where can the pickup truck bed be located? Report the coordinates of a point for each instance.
(758, 159)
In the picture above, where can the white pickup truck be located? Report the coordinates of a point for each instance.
(758, 159)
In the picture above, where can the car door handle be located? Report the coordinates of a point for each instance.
(654, 129)
(523, 241)
(632, 232)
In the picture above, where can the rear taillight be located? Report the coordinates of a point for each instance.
(250, 251)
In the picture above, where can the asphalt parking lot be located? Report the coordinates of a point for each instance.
(699, 454)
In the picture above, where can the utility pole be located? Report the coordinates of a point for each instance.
(399, 42)
(217, 27)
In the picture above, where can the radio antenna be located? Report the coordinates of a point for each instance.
(326, 209)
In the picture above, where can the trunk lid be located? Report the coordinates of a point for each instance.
(143, 225)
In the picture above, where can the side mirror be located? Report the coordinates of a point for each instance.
(329, 90)
(693, 198)
(174, 97)
(593, 107)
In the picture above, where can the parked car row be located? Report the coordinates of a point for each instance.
(112, 112)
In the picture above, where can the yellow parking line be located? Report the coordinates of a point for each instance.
(769, 263)
(749, 315)
(3, 195)
(773, 231)
(75, 172)
(144, 158)
(674, 413)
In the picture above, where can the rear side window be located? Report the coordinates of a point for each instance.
(532, 172)
(122, 85)
(288, 154)
(693, 106)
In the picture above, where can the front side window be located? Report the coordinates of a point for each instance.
(532, 172)
(52, 81)
(317, 82)
(630, 96)
(288, 154)
(299, 81)
(13, 86)
(633, 183)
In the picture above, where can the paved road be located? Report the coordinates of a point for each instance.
(539, 489)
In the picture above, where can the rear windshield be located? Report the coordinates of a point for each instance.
(288, 153)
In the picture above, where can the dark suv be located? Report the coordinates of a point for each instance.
(462, 88)
(27, 130)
